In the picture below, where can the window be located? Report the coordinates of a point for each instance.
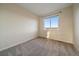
(51, 22)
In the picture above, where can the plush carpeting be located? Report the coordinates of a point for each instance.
(41, 47)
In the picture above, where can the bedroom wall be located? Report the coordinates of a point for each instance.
(65, 31)
(17, 25)
(76, 25)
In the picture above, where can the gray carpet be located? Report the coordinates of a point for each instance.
(41, 47)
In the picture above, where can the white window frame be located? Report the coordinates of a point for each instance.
(50, 22)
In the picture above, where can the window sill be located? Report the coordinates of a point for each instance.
(51, 28)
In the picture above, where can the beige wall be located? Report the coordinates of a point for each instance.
(65, 31)
(76, 25)
(16, 25)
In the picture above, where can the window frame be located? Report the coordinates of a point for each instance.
(50, 22)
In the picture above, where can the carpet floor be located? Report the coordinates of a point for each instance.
(41, 47)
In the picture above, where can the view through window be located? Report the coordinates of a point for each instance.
(51, 22)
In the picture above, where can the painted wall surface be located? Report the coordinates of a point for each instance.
(76, 25)
(17, 25)
(65, 31)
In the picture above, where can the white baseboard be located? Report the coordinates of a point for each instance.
(33, 37)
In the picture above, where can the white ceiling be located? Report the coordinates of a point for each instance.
(42, 9)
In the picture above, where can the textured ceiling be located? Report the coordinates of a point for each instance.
(42, 9)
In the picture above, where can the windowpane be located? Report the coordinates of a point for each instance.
(54, 21)
(47, 23)
(51, 22)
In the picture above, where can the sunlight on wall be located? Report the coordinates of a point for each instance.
(48, 34)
